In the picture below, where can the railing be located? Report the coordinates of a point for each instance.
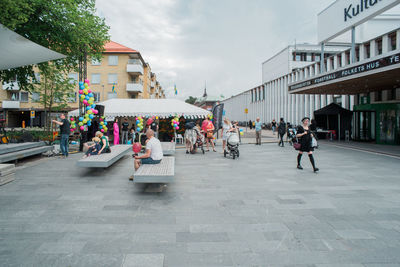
(134, 87)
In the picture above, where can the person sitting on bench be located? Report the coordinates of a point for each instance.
(154, 152)
(93, 149)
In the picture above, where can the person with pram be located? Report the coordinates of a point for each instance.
(226, 130)
(230, 139)
(194, 138)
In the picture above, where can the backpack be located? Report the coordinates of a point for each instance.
(282, 127)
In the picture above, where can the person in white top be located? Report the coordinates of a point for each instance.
(154, 152)
(226, 129)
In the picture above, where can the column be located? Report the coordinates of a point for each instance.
(398, 40)
(328, 63)
(307, 105)
(385, 44)
(373, 51)
(335, 62)
(344, 63)
(362, 52)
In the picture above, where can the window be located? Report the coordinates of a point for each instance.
(72, 98)
(357, 55)
(378, 96)
(112, 95)
(112, 60)
(392, 41)
(347, 57)
(367, 50)
(339, 61)
(35, 97)
(391, 94)
(252, 96)
(298, 57)
(96, 62)
(264, 93)
(24, 97)
(73, 77)
(96, 78)
(379, 46)
(96, 97)
(36, 79)
(112, 78)
(14, 96)
(309, 58)
(317, 57)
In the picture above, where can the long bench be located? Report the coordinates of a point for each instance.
(19, 151)
(168, 148)
(163, 172)
(105, 160)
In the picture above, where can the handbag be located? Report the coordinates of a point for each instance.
(296, 145)
(210, 134)
(314, 142)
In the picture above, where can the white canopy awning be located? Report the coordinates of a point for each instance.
(163, 108)
(17, 51)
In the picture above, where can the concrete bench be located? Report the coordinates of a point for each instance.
(20, 154)
(105, 160)
(156, 173)
(168, 148)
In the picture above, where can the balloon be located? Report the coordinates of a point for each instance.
(89, 123)
(72, 119)
(87, 81)
(80, 123)
(138, 129)
(177, 127)
(95, 111)
(102, 130)
(241, 133)
(82, 97)
(91, 116)
(82, 128)
(102, 123)
(136, 147)
(85, 91)
(156, 117)
(177, 122)
(80, 118)
(81, 87)
(94, 105)
(89, 111)
(89, 91)
(71, 130)
(84, 121)
(80, 91)
(149, 121)
(90, 94)
(105, 123)
(80, 83)
(85, 101)
(86, 85)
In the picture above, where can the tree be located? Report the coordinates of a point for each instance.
(55, 90)
(66, 26)
(191, 100)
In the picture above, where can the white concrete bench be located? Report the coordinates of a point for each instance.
(162, 172)
(168, 148)
(26, 151)
(105, 160)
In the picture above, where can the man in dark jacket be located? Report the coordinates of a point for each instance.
(281, 132)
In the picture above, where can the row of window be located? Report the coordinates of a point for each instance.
(113, 61)
(24, 97)
(257, 94)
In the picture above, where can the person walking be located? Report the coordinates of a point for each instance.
(125, 131)
(258, 127)
(226, 129)
(250, 124)
(208, 128)
(116, 132)
(273, 126)
(305, 135)
(281, 132)
(64, 132)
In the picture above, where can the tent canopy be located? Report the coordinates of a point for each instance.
(333, 109)
(17, 51)
(163, 108)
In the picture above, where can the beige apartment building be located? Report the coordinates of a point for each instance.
(122, 73)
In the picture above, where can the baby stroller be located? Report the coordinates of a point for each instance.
(291, 135)
(199, 141)
(232, 145)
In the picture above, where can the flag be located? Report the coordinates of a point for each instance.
(176, 91)
(113, 88)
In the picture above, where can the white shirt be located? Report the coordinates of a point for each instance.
(226, 127)
(156, 150)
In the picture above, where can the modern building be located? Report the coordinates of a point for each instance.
(271, 99)
(122, 73)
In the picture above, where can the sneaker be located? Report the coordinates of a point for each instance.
(316, 170)
(131, 178)
(299, 167)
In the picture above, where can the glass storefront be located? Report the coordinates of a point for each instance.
(377, 122)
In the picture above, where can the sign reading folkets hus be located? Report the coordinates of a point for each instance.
(353, 11)
(372, 65)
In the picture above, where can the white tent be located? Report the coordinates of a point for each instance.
(17, 51)
(163, 108)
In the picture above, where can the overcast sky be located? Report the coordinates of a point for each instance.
(223, 42)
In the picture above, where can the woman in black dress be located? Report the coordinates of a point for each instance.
(305, 138)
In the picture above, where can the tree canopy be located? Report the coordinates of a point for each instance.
(191, 100)
(65, 26)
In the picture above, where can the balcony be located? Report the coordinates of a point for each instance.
(134, 87)
(11, 86)
(10, 104)
(153, 84)
(134, 67)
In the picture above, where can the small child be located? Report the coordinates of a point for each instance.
(93, 149)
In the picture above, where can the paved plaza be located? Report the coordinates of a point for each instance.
(258, 210)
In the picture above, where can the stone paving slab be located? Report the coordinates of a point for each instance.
(256, 211)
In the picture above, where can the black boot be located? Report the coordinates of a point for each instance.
(313, 162)
(298, 161)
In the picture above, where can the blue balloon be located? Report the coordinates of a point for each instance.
(138, 129)
(87, 108)
(91, 116)
(105, 123)
(89, 123)
(94, 105)
(80, 83)
(80, 118)
(81, 87)
(101, 126)
(90, 94)
(87, 97)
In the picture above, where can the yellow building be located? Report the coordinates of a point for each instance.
(122, 73)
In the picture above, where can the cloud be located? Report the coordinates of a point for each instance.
(224, 42)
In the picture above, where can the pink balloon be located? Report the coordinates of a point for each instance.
(72, 119)
(87, 81)
(177, 127)
(136, 147)
(95, 111)
(177, 122)
(81, 91)
(85, 102)
(82, 128)
(72, 130)
(102, 130)
(89, 91)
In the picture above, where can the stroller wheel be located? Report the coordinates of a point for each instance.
(233, 156)
(202, 150)
(237, 153)
(225, 153)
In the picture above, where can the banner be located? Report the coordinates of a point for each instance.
(217, 115)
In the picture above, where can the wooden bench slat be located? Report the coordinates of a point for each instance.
(156, 173)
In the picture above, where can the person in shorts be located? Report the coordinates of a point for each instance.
(154, 152)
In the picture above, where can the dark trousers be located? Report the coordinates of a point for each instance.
(64, 144)
(281, 135)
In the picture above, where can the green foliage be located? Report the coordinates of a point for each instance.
(191, 100)
(55, 89)
(66, 26)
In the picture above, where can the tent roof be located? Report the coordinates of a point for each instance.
(332, 109)
(17, 51)
(164, 108)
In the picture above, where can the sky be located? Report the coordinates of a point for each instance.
(220, 43)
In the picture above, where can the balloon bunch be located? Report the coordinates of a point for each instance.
(210, 116)
(87, 98)
(103, 125)
(175, 123)
(241, 132)
(139, 124)
(73, 125)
